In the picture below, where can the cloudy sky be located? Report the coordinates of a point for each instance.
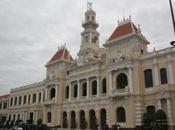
(32, 30)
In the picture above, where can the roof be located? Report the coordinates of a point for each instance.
(61, 54)
(124, 29)
(4, 97)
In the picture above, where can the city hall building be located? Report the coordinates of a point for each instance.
(116, 83)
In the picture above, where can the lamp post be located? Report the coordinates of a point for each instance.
(172, 14)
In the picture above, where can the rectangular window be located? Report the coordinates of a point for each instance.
(163, 76)
(29, 99)
(0, 106)
(39, 97)
(15, 101)
(148, 78)
(11, 102)
(24, 101)
(20, 100)
(5, 105)
(34, 98)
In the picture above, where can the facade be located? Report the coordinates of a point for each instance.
(3, 108)
(116, 83)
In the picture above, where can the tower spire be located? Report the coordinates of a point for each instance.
(89, 5)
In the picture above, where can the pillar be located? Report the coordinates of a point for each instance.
(159, 104)
(155, 68)
(56, 93)
(87, 118)
(88, 88)
(130, 80)
(77, 119)
(78, 83)
(110, 82)
(169, 112)
(170, 70)
(70, 92)
(98, 86)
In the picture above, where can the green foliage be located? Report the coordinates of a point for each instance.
(30, 121)
(161, 120)
(83, 123)
(65, 122)
(148, 118)
(39, 122)
(94, 124)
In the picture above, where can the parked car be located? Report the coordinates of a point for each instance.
(16, 128)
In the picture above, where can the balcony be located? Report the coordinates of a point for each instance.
(120, 92)
(50, 101)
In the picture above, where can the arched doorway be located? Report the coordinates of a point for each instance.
(83, 122)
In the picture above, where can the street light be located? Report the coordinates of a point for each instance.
(172, 14)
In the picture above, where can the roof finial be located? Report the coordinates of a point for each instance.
(89, 5)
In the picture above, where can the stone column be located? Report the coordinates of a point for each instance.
(110, 82)
(77, 119)
(156, 72)
(88, 88)
(46, 94)
(130, 80)
(78, 83)
(98, 86)
(97, 114)
(56, 93)
(36, 116)
(169, 111)
(68, 119)
(87, 118)
(159, 104)
(22, 100)
(70, 92)
(170, 70)
(37, 97)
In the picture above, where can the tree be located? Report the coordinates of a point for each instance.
(94, 124)
(64, 122)
(161, 120)
(83, 123)
(148, 119)
(39, 122)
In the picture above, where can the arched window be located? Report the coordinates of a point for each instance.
(94, 87)
(121, 81)
(103, 118)
(92, 119)
(73, 120)
(75, 90)
(104, 85)
(148, 78)
(82, 119)
(84, 89)
(150, 109)
(121, 116)
(67, 92)
(64, 120)
(52, 93)
(49, 117)
(163, 76)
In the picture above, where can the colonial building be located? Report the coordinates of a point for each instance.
(3, 108)
(115, 83)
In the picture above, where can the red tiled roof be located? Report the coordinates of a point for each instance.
(61, 54)
(4, 97)
(123, 30)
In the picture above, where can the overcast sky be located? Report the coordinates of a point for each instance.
(32, 30)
